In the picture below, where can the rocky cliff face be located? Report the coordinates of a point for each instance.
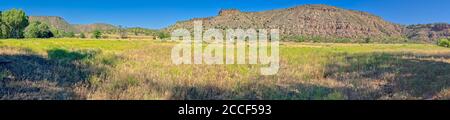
(307, 20)
(428, 32)
(92, 27)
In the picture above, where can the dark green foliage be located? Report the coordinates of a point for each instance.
(300, 38)
(82, 35)
(69, 34)
(444, 43)
(96, 34)
(3, 27)
(367, 40)
(38, 30)
(163, 35)
(13, 23)
(57, 33)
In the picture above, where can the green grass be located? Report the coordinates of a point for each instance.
(139, 69)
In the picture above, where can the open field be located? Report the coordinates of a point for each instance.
(139, 69)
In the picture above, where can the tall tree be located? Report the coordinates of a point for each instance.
(38, 30)
(16, 21)
(1, 26)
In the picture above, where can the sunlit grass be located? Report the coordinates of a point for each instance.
(140, 69)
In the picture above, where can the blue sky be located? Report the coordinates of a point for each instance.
(161, 13)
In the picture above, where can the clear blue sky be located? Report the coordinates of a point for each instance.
(161, 13)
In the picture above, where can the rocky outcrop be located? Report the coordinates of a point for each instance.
(92, 27)
(428, 32)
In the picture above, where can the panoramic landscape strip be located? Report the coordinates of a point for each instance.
(306, 52)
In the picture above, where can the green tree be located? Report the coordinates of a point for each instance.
(38, 30)
(16, 21)
(2, 27)
(57, 33)
(82, 35)
(96, 34)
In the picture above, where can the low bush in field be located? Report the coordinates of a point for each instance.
(444, 43)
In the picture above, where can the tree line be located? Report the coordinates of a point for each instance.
(14, 23)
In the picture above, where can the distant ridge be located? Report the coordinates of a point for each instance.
(61, 24)
(428, 32)
(54, 21)
(92, 27)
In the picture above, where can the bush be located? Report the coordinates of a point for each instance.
(38, 30)
(444, 43)
(163, 35)
(96, 34)
(82, 35)
(300, 38)
(367, 40)
(57, 33)
(69, 34)
(342, 40)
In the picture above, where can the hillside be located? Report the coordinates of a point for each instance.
(61, 24)
(92, 27)
(428, 32)
(306, 20)
(54, 21)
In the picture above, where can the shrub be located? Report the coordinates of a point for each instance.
(444, 43)
(367, 40)
(57, 33)
(342, 40)
(96, 34)
(300, 38)
(69, 34)
(163, 35)
(82, 35)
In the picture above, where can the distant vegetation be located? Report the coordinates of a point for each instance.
(320, 39)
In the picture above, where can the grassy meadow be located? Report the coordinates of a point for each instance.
(63, 68)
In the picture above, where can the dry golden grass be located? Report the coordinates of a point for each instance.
(143, 70)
